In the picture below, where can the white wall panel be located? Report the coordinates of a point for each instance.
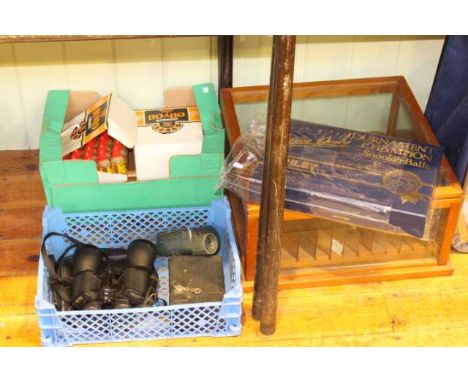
(90, 65)
(13, 133)
(252, 60)
(327, 58)
(40, 68)
(418, 61)
(374, 56)
(186, 61)
(140, 70)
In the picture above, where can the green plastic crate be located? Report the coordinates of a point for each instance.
(73, 185)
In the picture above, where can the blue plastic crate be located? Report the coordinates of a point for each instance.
(117, 229)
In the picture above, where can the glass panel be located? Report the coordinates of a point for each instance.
(359, 113)
(404, 127)
(246, 112)
(369, 113)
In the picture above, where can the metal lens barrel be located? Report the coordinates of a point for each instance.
(192, 241)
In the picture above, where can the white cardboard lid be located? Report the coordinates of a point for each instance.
(122, 122)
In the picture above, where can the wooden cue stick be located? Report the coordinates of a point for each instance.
(274, 178)
(262, 229)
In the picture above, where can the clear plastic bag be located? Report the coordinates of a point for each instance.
(358, 178)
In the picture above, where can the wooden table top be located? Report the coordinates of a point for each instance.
(423, 312)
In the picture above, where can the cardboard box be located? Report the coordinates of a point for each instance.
(109, 114)
(74, 187)
(162, 134)
(357, 178)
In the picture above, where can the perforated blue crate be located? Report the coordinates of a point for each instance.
(117, 229)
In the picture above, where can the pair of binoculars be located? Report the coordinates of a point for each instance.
(94, 278)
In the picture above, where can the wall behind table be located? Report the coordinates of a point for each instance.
(140, 70)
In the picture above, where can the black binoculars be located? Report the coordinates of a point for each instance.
(96, 278)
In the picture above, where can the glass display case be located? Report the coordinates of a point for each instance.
(319, 251)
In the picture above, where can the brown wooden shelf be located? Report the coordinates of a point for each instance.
(58, 38)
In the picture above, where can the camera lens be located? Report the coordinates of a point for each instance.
(192, 241)
(211, 244)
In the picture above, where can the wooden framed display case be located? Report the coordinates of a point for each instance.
(383, 105)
